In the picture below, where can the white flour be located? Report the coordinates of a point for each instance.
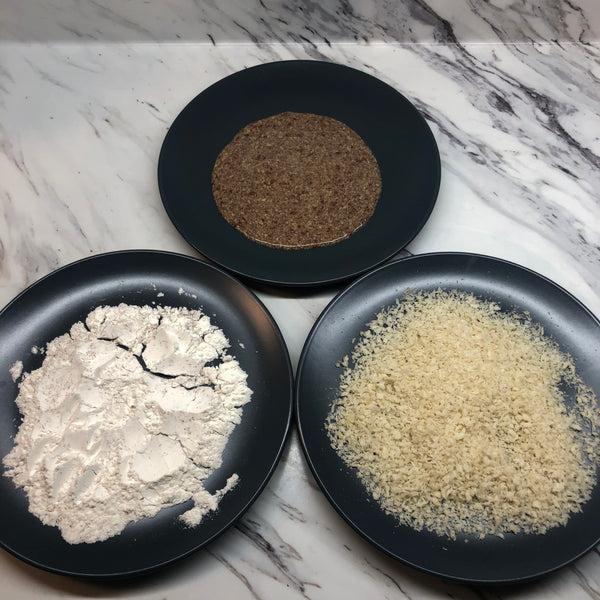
(106, 441)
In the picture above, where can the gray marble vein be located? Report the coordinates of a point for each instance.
(236, 573)
(524, 140)
(331, 21)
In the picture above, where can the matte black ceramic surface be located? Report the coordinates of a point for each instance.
(489, 560)
(49, 307)
(390, 125)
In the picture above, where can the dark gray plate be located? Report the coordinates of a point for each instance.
(391, 126)
(468, 559)
(50, 306)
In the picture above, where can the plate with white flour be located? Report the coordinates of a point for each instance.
(145, 401)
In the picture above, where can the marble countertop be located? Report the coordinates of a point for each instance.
(88, 91)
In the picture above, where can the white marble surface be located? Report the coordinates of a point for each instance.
(87, 93)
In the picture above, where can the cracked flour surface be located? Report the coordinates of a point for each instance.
(128, 414)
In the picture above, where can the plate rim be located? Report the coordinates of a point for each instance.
(307, 282)
(314, 469)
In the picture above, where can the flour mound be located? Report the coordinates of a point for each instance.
(128, 414)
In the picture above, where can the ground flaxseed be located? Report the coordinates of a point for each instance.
(296, 180)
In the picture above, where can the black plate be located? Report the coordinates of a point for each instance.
(467, 559)
(395, 131)
(50, 306)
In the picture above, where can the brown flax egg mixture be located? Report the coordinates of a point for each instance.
(296, 180)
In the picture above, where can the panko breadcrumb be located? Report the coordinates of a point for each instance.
(453, 413)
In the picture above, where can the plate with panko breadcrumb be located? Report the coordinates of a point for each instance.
(447, 406)
(299, 173)
(145, 399)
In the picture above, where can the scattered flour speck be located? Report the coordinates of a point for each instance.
(16, 370)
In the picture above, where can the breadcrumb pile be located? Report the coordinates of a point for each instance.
(453, 413)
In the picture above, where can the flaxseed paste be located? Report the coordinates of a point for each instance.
(296, 180)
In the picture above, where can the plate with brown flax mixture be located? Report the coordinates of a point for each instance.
(299, 173)
(448, 407)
